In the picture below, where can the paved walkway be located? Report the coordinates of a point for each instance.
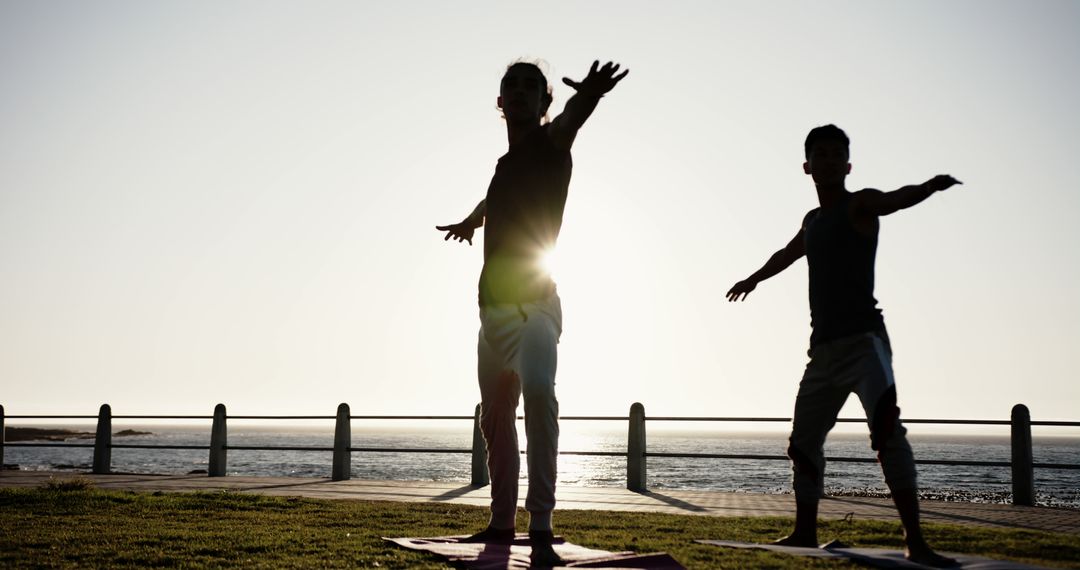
(710, 503)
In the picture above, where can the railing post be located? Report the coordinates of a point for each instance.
(342, 443)
(1023, 470)
(219, 439)
(635, 449)
(2, 433)
(479, 452)
(103, 441)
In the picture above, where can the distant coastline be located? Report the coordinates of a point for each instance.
(15, 434)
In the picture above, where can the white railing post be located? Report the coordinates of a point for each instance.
(1023, 469)
(342, 443)
(479, 452)
(103, 441)
(635, 450)
(219, 437)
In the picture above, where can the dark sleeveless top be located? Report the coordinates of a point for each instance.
(841, 262)
(523, 216)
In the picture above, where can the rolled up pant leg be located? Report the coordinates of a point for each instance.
(500, 389)
(888, 436)
(816, 407)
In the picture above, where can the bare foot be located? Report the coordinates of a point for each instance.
(797, 540)
(927, 557)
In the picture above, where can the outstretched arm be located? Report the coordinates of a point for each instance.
(779, 261)
(885, 203)
(599, 81)
(463, 230)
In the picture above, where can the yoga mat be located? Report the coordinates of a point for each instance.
(877, 557)
(480, 556)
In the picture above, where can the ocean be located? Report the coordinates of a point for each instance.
(1054, 487)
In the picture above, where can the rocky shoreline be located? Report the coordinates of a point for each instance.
(16, 434)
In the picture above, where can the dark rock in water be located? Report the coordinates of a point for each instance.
(70, 466)
(197, 472)
(11, 467)
(13, 434)
(129, 432)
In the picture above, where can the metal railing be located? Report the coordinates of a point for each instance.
(1022, 464)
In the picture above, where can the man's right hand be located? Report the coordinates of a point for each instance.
(743, 288)
(462, 231)
(941, 182)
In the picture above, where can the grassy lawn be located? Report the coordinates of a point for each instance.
(86, 528)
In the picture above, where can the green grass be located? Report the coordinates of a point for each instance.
(86, 528)
(69, 484)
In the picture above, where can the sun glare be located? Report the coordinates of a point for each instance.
(549, 261)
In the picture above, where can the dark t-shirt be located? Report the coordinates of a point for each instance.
(841, 262)
(523, 216)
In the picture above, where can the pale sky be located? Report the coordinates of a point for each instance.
(234, 202)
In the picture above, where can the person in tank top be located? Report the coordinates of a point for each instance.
(849, 347)
(520, 312)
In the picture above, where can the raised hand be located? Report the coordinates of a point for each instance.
(941, 182)
(461, 231)
(599, 81)
(743, 288)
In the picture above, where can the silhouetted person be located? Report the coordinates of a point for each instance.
(520, 313)
(849, 348)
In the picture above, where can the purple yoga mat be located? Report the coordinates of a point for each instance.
(479, 556)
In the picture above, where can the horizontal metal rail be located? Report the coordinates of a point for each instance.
(276, 448)
(49, 417)
(859, 420)
(755, 457)
(23, 444)
(666, 455)
(142, 446)
(734, 419)
(408, 450)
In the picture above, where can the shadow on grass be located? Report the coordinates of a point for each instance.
(1009, 523)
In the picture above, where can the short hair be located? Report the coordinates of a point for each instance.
(537, 66)
(826, 133)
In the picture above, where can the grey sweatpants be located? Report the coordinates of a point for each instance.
(517, 355)
(861, 364)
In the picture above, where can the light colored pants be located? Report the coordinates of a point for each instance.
(517, 355)
(861, 364)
